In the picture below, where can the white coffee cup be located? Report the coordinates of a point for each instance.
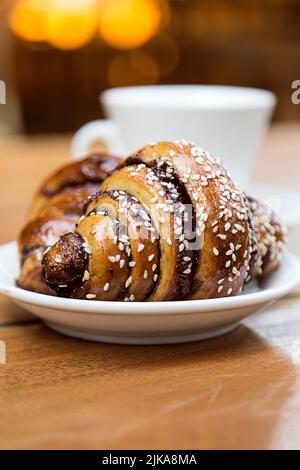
(229, 122)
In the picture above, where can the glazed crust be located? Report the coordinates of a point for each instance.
(169, 224)
(55, 210)
(84, 175)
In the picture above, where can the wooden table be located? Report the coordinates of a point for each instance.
(238, 391)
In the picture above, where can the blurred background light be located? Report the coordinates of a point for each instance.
(65, 24)
(71, 23)
(28, 19)
(166, 52)
(146, 65)
(51, 49)
(127, 24)
(125, 69)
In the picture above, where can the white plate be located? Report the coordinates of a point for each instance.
(284, 201)
(145, 322)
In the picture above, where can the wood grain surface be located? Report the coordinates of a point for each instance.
(241, 391)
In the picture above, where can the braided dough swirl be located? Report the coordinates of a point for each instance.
(168, 224)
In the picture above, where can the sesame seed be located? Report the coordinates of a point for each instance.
(220, 288)
(227, 264)
(132, 297)
(229, 291)
(131, 264)
(140, 247)
(122, 262)
(106, 287)
(227, 226)
(169, 241)
(86, 276)
(215, 251)
(90, 296)
(86, 248)
(155, 277)
(220, 281)
(187, 271)
(145, 274)
(63, 285)
(154, 267)
(150, 257)
(128, 282)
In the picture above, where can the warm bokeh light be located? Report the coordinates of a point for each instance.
(122, 71)
(28, 19)
(166, 52)
(127, 24)
(145, 64)
(66, 24)
(71, 23)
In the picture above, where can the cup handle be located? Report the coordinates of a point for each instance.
(92, 132)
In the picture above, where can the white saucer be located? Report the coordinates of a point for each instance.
(284, 201)
(146, 322)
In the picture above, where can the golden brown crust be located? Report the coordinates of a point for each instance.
(80, 175)
(270, 237)
(55, 211)
(170, 224)
(221, 216)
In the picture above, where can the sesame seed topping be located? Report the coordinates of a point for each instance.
(106, 287)
(215, 251)
(90, 296)
(229, 291)
(128, 282)
(187, 271)
(140, 247)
